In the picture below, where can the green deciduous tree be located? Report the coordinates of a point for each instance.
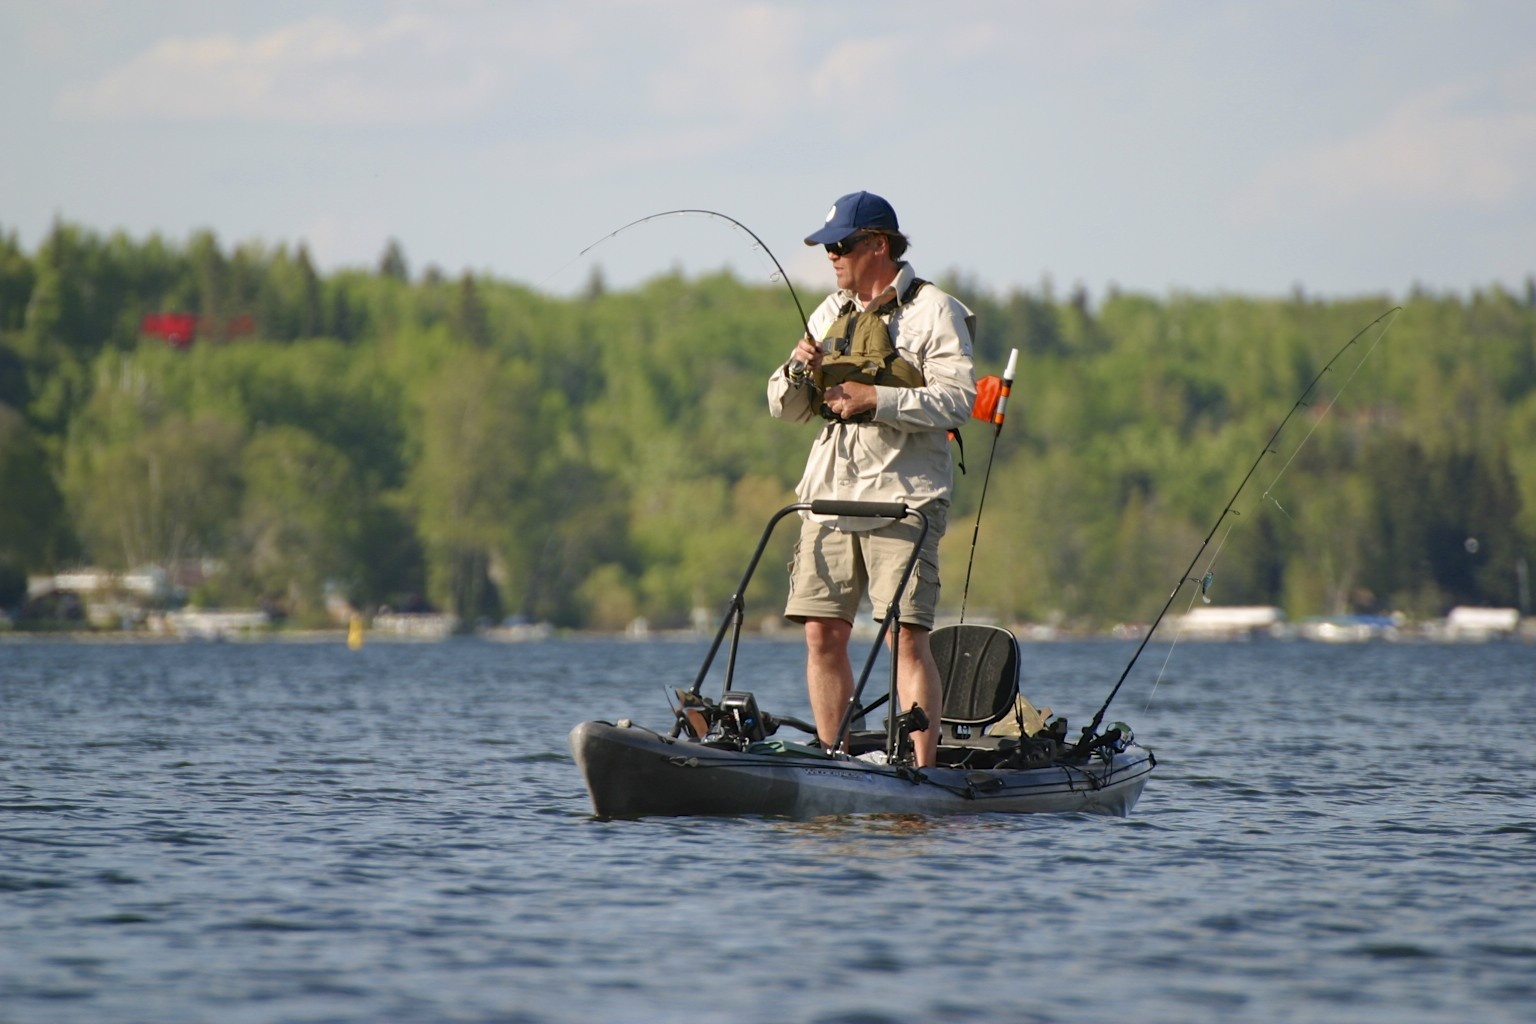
(164, 494)
(475, 483)
(33, 532)
(301, 519)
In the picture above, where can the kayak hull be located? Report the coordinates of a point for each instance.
(632, 772)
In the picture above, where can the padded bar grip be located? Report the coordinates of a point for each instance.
(872, 509)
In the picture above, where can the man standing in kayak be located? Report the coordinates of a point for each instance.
(884, 441)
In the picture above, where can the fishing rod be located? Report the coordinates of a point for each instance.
(1204, 581)
(998, 413)
(781, 275)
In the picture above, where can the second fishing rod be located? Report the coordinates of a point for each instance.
(1364, 338)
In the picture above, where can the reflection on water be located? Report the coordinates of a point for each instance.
(875, 835)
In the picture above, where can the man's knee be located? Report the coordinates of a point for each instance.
(829, 636)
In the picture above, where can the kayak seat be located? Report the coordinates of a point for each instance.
(979, 677)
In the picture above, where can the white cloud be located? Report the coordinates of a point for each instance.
(854, 76)
(1470, 144)
(722, 69)
(318, 71)
(729, 62)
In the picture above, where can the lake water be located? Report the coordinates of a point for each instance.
(296, 832)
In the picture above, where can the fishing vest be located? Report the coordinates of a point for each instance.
(858, 348)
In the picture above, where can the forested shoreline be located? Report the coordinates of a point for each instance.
(471, 444)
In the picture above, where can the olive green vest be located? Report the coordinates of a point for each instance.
(858, 348)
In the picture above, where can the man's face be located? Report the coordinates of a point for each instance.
(852, 257)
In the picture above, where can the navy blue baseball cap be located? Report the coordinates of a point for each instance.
(857, 211)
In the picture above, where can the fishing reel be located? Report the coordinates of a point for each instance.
(1106, 744)
(912, 720)
(740, 719)
(734, 722)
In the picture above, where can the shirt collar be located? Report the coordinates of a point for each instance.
(901, 282)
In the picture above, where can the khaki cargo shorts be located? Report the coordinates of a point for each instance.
(832, 570)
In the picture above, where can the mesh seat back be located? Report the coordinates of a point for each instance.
(979, 672)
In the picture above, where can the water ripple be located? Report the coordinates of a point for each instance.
(272, 832)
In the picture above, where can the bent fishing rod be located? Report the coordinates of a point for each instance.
(1204, 582)
(781, 275)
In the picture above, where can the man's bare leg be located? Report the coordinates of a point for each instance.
(828, 674)
(917, 681)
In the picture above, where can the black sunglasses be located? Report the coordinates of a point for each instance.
(848, 244)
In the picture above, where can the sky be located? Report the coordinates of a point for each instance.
(1341, 147)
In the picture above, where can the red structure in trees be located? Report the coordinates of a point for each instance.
(178, 330)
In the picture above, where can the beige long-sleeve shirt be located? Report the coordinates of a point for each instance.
(903, 453)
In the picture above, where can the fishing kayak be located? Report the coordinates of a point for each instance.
(996, 751)
(632, 772)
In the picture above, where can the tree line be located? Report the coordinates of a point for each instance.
(274, 435)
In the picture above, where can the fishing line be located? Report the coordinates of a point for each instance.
(1204, 581)
(1267, 495)
(780, 275)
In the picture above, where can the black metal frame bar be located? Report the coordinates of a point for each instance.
(735, 613)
